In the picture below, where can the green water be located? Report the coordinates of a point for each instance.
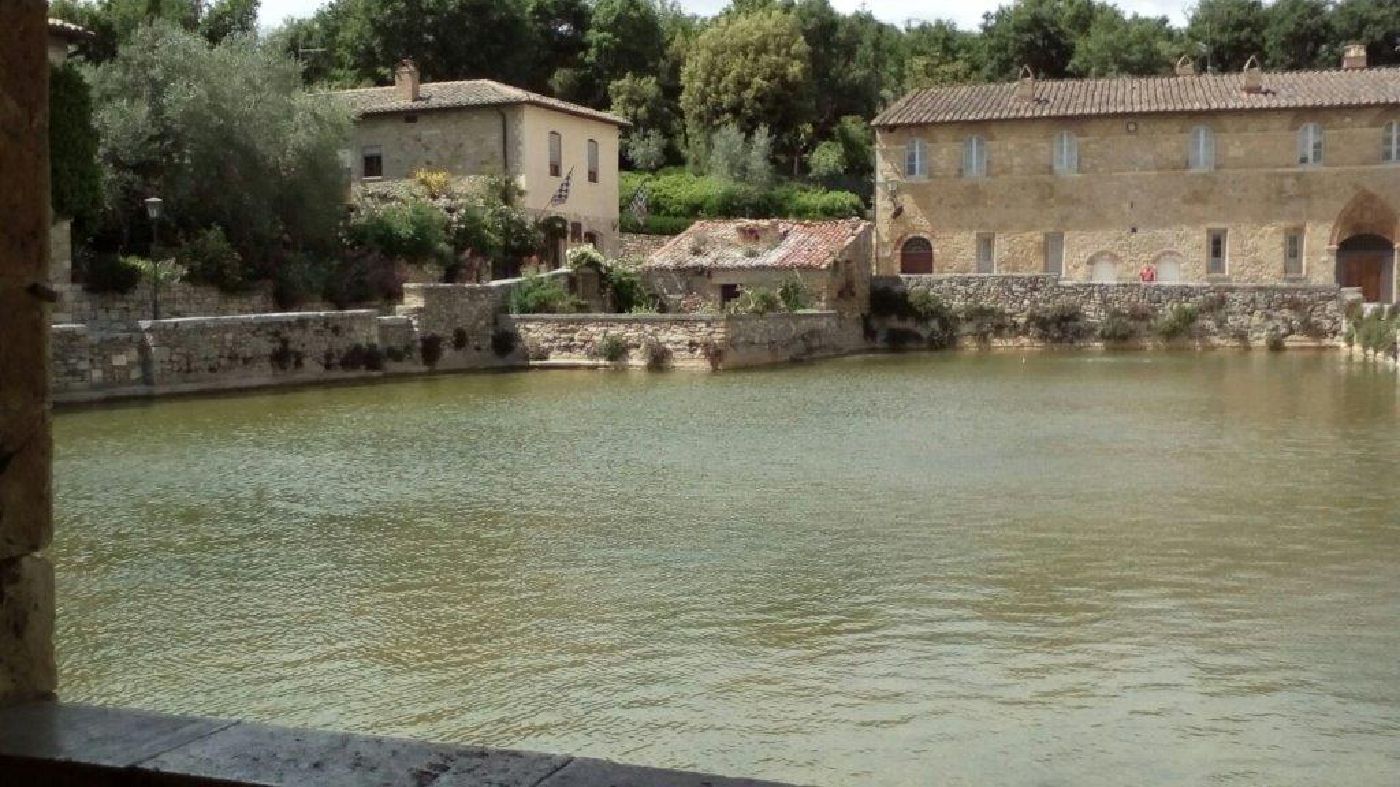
(964, 569)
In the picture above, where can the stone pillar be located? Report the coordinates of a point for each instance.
(26, 578)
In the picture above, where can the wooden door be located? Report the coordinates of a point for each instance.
(1364, 269)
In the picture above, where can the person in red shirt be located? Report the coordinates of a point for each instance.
(1148, 273)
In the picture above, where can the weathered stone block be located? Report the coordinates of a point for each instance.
(27, 669)
(25, 491)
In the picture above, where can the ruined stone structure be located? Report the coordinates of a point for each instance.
(481, 127)
(717, 260)
(1249, 177)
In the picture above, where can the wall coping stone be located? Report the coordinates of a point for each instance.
(66, 743)
(244, 319)
(807, 314)
(1055, 278)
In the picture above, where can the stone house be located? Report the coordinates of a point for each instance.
(482, 127)
(717, 260)
(1248, 177)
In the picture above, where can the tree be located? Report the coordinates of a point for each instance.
(224, 134)
(114, 22)
(827, 160)
(1299, 35)
(640, 101)
(1115, 45)
(229, 17)
(940, 54)
(1229, 32)
(1375, 23)
(646, 150)
(75, 179)
(750, 70)
(561, 27)
(1036, 33)
(625, 38)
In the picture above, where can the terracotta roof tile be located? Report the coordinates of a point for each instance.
(467, 93)
(785, 245)
(1058, 98)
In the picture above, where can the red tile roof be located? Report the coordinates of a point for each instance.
(783, 244)
(1058, 98)
(467, 93)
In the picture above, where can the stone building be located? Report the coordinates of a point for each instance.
(717, 260)
(1248, 177)
(481, 127)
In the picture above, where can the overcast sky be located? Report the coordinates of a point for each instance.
(966, 13)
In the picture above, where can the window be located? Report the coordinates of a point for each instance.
(1217, 253)
(915, 165)
(592, 161)
(1055, 252)
(974, 157)
(1066, 153)
(916, 256)
(1201, 156)
(1293, 253)
(591, 238)
(1391, 152)
(556, 154)
(371, 162)
(575, 232)
(1310, 145)
(727, 293)
(986, 253)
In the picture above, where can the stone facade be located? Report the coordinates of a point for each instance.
(636, 246)
(694, 341)
(1134, 201)
(1001, 310)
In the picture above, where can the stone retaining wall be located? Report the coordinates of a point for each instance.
(637, 246)
(84, 360)
(1003, 309)
(121, 311)
(709, 341)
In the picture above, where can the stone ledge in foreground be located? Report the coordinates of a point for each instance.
(62, 744)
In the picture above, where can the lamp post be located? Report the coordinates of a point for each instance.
(153, 211)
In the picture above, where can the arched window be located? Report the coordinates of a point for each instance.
(1391, 139)
(1169, 267)
(1103, 267)
(915, 159)
(1201, 156)
(916, 256)
(1066, 160)
(1310, 145)
(974, 157)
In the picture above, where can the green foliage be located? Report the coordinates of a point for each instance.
(1229, 31)
(587, 257)
(225, 135)
(1376, 332)
(1118, 326)
(297, 280)
(209, 258)
(658, 355)
(1299, 34)
(225, 18)
(734, 158)
(984, 320)
(676, 197)
(1057, 322)
(414, 231)
(610, 348)
(756, 301)
(646, 150)
(111, 273)
(75, 178)
(657, 225)
(543, 295)
(1374, 23)
(1178, 322)
(1116, 45)
(626, 290)
(792, 292)
(360, 277)
(827, 160)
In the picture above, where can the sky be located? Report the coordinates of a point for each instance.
(966, 13)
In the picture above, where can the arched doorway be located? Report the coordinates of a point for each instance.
(1104, 267)
(916, 256)
(1169, 267)
(1368, 262)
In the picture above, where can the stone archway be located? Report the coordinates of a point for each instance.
(1367, 262)
(916, 255)
(1363, 239)
(1170, 267)
(1105, 267)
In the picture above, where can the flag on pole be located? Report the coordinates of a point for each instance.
(639, 207)
(561, 195)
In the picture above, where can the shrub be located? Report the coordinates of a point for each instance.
(1058, 322)
(985, 321)
(1179, 322)
(435, 183)
(110, 273)
(503, 342)
(1117, 326)
(362, 277)
(657, 354)
(297, 280)
(430, 349)
(543, 295)
(626, 290)
(1376, 332)
(610, 348)
(1274, 339)
(899, 338)
(889, 302)
(74, 175)
(1141, 312)
(792, 292)
(210, 259)
(414, 230)
(757, 300)
(586, 257)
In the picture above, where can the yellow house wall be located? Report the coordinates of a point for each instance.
(1133, 196)
(594, 205)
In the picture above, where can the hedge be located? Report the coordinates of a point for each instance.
(676, 197)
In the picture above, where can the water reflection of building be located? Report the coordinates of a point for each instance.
(1245, 177)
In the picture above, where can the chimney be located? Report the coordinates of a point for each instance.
(1185, 67)
(1025, 85)
(1253, 76)
(1354, 57)
(406, 80)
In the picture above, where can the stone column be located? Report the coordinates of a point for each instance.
(26, 578)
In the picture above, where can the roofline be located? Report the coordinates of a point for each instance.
(62, 28)
(1133, 112)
